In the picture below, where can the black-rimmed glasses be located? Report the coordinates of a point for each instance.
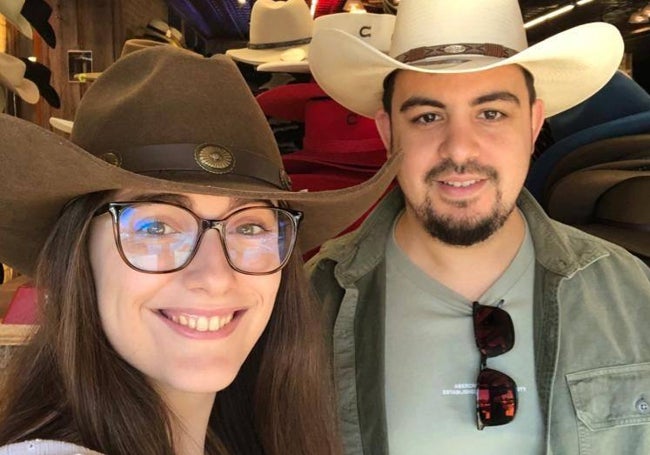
(496, 392)
(160, 237)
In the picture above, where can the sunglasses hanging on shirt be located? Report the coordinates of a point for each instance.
(496, 392)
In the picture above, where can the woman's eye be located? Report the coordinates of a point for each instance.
(250, 229)
(491, 115)
(154, 228)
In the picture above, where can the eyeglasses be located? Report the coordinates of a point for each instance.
(160, 237)
(496, 392)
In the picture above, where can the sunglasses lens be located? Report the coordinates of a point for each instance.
(493, 330)
(496, 398)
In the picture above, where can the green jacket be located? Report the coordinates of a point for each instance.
(591, 334)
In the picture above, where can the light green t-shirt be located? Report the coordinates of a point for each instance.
(432, 362)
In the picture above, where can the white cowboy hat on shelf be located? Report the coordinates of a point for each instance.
(440, 36)
(11, 9)
(12, 76)
(276, 27)
(60, 124)
(375, 29)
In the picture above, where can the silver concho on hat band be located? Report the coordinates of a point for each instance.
(214, 158)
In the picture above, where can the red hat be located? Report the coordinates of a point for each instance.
(329, 127)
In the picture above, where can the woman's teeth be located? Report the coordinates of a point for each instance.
(202, 323)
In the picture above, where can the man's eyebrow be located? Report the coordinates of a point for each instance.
(497, 96)
(420, 101)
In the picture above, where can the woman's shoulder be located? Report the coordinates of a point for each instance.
(45, 447)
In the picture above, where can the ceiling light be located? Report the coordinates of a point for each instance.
(552, 14)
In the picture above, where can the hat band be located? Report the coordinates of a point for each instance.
(296, 42)
(427, 52)
(211, 158)
(643, 227)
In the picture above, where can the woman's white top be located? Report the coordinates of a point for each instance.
(45, 447)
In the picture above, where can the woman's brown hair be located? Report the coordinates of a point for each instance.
(69, 383)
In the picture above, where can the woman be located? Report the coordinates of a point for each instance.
(158, 334)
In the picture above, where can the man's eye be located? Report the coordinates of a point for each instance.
(491, 115)
(426, 118)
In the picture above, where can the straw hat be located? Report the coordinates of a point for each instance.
(276, 27)
(12, 76)
(141, 125)
(440, 36)
(375, 29)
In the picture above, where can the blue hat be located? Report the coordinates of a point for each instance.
(620, 108)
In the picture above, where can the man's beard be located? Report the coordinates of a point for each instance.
(462, 231)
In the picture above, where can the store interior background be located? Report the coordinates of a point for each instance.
(212, 26)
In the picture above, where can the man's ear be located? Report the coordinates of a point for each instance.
(537, 118)
(382, 121)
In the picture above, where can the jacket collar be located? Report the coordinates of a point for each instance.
(568, 251)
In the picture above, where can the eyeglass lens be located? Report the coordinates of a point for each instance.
(161, 237)
(496, 392)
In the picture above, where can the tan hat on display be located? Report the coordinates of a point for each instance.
(141, 126)
(609, 200)
(276, 27)
(442, 36)
(11, 10)
(62, 125)
(12, 76)
(375, 29)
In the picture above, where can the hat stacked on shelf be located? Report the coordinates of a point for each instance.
(29, 15)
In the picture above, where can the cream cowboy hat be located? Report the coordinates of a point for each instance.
(375, 29)
(11, 9)
(275, 28)
(442, 36)
(12, 76)
(141, 126)
(61, 124)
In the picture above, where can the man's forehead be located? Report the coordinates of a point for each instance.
(470, 86)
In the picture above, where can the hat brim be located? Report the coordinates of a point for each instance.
(573, 198)
(614, 149)
(22, 25)
(28, 91)
(301, 67)
(568, 67)
(637, 242)
(45, 171)
(259, 56)
(61, 124)
(546, 168)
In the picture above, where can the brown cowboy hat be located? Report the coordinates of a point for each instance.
(622, 216)
(609, 200)
(160, 119)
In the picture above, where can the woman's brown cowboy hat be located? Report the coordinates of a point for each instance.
(160, 119)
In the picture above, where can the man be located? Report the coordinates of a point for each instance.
(459, 305)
